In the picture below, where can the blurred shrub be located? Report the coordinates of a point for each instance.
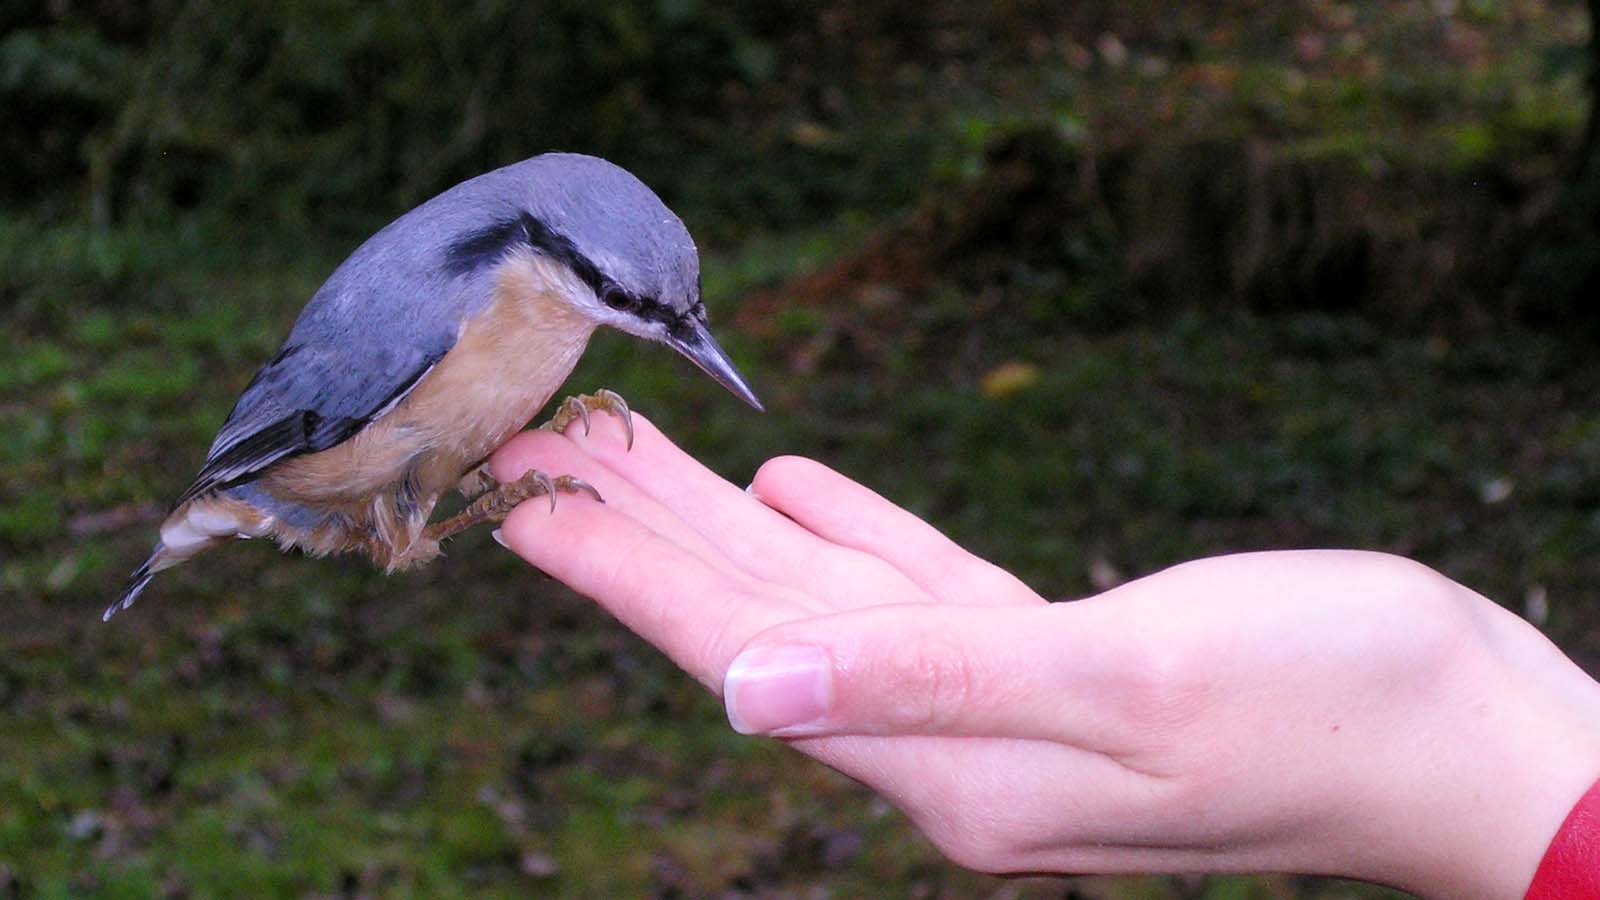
(333, 104)
(1214, 133)
(319, 108)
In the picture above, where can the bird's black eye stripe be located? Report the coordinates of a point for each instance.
(544, 239)
(489, 245)
(682, 326)
(654, 310)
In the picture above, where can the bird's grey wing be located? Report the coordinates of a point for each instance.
(379, 323)
(326, 383)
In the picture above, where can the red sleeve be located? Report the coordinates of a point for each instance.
(1570, 869)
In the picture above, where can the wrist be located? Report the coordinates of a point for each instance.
(1569, 867)
(1494, 830)
(1493, 768)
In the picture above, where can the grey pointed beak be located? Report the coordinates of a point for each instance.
(704, 351)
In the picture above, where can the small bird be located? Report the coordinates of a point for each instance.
(437, 340)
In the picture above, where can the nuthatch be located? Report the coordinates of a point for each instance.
(429, 347)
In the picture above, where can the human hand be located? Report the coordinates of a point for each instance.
(1325, 711)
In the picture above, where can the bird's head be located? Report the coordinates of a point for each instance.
(633, 264)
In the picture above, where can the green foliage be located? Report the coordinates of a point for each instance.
(329, 109)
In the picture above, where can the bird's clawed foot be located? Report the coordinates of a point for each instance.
(491, 503)
(577, 408)
(498, 503)
(538, 484)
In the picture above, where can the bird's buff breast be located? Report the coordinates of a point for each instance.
(375, 491)
(504, 367)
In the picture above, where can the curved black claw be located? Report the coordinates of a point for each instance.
(577, 408)
(618, 406)
(536, 483)
(545, 485)
(575, 485)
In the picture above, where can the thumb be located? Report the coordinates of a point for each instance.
(1044, 672)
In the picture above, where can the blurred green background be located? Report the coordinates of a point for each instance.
(1095, 287)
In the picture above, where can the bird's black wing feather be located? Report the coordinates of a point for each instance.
(355, 352)
(295, 405)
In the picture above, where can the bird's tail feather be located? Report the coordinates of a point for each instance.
(130, 592)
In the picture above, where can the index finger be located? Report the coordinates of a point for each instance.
(695, 613)
(754, 537)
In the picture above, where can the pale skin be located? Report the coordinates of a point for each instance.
(1333, 712)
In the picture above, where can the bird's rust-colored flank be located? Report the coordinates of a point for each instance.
(381, 485)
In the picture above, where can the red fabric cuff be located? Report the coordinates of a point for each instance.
(1570, 869)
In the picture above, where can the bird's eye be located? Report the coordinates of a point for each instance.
(616, 298)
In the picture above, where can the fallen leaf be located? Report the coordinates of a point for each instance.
(1008, 378)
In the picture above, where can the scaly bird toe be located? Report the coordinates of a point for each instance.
(538, 484)
(495, 505)
(571, 484)
(577, 408)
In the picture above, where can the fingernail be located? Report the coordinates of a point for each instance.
(750, 489)
(499, 538)
(780, 691)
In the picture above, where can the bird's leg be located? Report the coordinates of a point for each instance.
(577, 408)
(475, 483)
(490, 503)
(573, 409)
(495, 505)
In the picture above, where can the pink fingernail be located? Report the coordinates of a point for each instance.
(781, 690)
